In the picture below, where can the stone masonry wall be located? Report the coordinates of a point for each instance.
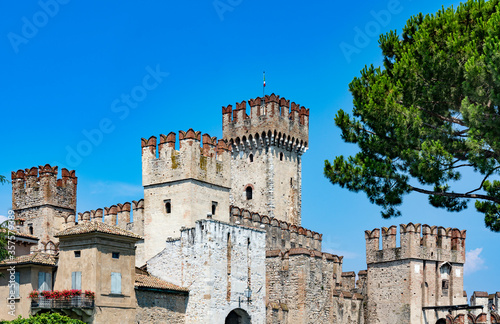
(190, 181)
(301, 288)
(42, 203)
(215, 270)
(266, 155)
(425, 271)
(160, 307)
(279, 234)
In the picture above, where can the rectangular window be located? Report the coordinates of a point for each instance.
(77, 254)
(115, 255)
(44, 281)
(116, 283)
(76, 280)
(17, 281)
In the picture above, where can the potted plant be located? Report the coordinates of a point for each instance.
(45, 298)
(34, 295)
(75, 297)
(89, 298)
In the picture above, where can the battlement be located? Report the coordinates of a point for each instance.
(281, 235)
(163, 163)
(117, 215)
(435, 243)
(40, 186)
(272, 121)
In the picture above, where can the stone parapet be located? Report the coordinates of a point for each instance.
(162, 163)
(281, 235)
(40, 186)
(272, 121)
(435, 244)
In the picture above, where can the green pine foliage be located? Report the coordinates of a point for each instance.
(430, 113)
(45, 318)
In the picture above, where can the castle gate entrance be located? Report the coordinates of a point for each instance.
(441, 321)
(238, 316)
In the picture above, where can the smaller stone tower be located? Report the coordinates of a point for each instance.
(416, 282)
(267, 146)
(42, 203)
(182, 186)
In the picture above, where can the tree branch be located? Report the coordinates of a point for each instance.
(455, 195)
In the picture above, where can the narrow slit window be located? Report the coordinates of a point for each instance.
(249, 193)
(214, 207)
(168, 206)
(251, 157)
(281, 156)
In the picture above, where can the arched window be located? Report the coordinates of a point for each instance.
(281, 156)
(251, 157)
(168, 207)
(248, 191)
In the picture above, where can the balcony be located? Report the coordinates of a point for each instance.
(71, 302)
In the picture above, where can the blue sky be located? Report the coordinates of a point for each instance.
(73, 70)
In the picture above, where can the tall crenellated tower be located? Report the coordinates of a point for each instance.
(418, 282)
(182, 186)
(42, 203)
(267, 146)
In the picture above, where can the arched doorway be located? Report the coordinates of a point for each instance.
(238, 316)
(441, 321)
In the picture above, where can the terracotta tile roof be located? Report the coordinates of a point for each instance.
(464, 294)
(480, 294)
(363, 273)
(35, 258)
(19, 234)
(99, 227)
(358, 296)
(149, 281)
(273, 253)
(348, 274)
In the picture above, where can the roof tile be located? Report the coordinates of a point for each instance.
(96, 227)
(149, 281)
(35, 258)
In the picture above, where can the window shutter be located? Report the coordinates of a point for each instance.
(48, 280)
(42, 285)
(116, 283)
(16, 285)
(76, 280)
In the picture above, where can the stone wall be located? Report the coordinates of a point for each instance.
(425, 271)
(217, 262)
(182, 186)
(42, 203)
(302, 288)
(160, 307)
(266, 155)
(279, 234)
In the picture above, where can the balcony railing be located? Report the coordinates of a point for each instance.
(71, 302)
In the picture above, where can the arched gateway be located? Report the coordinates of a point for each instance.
(238, 316)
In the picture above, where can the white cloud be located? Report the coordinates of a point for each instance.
(473, 261)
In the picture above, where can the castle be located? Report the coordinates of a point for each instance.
(217, 238)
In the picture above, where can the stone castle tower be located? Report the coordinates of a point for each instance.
(182, 186)
(42, 203)
(422, 277)
(267, 146)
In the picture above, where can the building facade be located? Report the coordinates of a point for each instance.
(217, 238)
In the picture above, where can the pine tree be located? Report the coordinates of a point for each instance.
(431, 112)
